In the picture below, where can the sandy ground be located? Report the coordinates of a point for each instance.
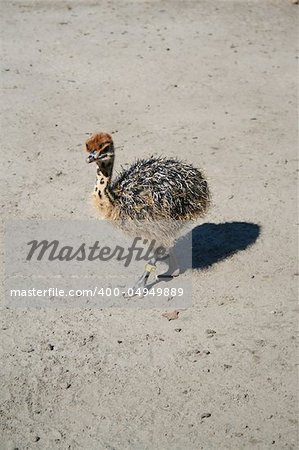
(215, 83)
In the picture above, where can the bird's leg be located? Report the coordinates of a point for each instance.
(149, 267)
(173, 266)
(142, 281)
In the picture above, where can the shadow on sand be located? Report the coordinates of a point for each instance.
(212, 242)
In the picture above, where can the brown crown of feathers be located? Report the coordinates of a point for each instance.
(97, 141)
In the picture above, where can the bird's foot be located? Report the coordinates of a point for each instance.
(173, 268)
(169, 274)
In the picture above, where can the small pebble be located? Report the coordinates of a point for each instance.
(210, 333)
(227, 366)
(205, 415)
(28, 349)
(171, 315)
(277, 313)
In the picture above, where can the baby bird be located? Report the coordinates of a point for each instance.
(154, 198)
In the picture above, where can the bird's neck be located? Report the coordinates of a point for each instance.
(102, 187)
(105, 168)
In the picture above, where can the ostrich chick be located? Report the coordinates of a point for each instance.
(154, 198)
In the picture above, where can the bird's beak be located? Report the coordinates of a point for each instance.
(93, 156)
(97, 155)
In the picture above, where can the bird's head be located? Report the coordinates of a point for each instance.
(100, 148)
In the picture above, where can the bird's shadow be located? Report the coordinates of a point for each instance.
(212, 243)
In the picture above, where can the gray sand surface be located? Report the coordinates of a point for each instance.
(213, 82)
